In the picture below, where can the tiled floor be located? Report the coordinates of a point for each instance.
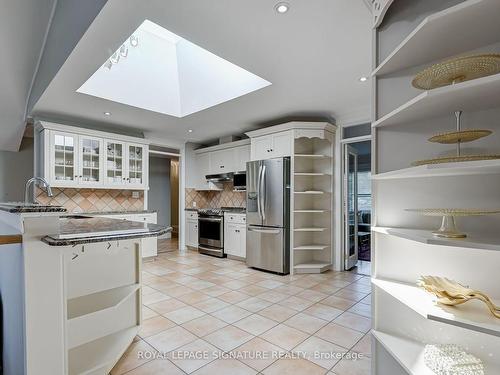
(204, 315)
(168, 244)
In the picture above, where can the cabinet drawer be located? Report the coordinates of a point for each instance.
(235, 218)
(192, 215)
(147, 218)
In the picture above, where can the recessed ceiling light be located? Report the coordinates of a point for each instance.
(282, 7)
(363, 79)
(107, 113)
(190, 130)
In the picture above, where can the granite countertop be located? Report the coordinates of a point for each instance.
(117, 212)
(76, 231)
(191, 209)
(19, 207)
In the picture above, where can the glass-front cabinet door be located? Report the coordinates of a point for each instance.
(63, 159)
(115, 163)
(136, 165)
(90, 160)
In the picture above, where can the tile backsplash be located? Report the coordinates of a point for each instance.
(87, 200)
(216, 199)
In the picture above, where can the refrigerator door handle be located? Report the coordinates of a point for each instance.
(262, 193)
(259, 208)
(266, 231)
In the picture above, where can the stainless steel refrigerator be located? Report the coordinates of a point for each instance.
(268, 215)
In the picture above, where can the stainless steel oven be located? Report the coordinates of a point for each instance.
(211, 232)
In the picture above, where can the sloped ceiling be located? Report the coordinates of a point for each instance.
(23, 25)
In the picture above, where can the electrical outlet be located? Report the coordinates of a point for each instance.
(194, 204)
(135, 195)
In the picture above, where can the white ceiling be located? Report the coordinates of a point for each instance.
(313, 55)
(23, 25)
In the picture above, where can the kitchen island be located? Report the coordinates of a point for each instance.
(70, 291)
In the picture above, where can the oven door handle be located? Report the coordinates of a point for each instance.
(210, 220)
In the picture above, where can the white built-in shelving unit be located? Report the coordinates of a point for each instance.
(103, 313)
(312, 171)
(406, 318)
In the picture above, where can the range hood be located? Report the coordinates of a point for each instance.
(222, 177)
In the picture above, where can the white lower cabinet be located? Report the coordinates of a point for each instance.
(235, 235)
(191, 228)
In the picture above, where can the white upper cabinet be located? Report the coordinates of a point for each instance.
(136, 166)
(227, 158)
(114, 164)
(261, 147)
(271, 146)
(242, 157)
(62, 166)
(90, 161)
(69, 159)
(222, 161)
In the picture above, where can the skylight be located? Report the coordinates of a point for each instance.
(160, 71)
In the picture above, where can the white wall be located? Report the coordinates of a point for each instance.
(15, 169)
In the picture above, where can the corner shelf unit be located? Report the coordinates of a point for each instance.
(405, 317)
(312, 203)
(476, 21)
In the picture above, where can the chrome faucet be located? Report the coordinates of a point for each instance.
(42, 183)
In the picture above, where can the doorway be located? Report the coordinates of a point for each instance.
(357, 203)
(163, 195)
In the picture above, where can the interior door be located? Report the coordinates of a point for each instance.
(350, 207)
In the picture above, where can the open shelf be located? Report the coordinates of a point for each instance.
(460, 28)
(473, 315)
(95, 302)
(311, 247)
(442, 170)
(475, 95)
(410, 354)
(310, 229)
(310, 211)
(426, 237)
(311, 267)
(312, 156)
(100, 354)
